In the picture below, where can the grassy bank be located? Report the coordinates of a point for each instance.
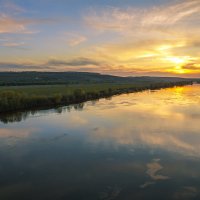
(27, 97)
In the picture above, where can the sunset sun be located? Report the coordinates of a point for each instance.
(178, 63)
(177, 60)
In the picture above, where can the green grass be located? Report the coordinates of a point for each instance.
(49, 90)
(14, 98)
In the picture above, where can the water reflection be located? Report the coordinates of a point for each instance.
(134, 146)
(168, 119)
(23, 115)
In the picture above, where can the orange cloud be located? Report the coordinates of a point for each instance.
(9, 25)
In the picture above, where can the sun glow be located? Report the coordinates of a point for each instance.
(178, 60)
(179, 70)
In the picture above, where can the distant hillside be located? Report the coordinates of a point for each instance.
(48, 78)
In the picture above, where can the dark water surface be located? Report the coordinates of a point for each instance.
(137, 146)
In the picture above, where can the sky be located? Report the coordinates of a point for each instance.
(119, 37)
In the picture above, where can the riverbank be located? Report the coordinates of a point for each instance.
(17, 98)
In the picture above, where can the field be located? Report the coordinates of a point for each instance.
(49, 90)
(13, 98)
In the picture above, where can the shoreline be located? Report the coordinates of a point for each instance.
(79, 96)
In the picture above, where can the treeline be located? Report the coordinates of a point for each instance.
(15, 100)
(52, 78)
(60, 78)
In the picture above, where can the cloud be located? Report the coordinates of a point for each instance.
(13, 44)
(74, 62)
(133, 19)
(191, 66)
(10, 25)
(6, 66)
(74, 39)
(9, 6)
(147, 41)
(122, 41)
(88, 65)
(81, 64)
(13, 19)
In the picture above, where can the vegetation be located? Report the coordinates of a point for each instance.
(55, 78)
(27, 97)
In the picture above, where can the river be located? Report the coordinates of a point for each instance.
(133, 146)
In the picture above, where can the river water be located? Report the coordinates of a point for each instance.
(133, 146)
